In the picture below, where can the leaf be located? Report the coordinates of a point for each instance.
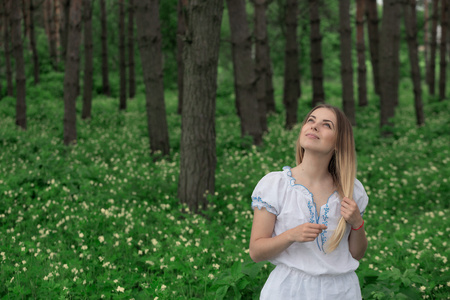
(221, 292)
(236, 269)
(252, 269)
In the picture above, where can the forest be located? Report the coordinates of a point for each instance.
(133, 132)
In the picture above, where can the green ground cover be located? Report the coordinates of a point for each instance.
(102, 220)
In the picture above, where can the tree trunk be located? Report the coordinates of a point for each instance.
(443, 49)
(65, 27)
(122, 61)
(71, 72)
(181, 31)
(291, 91)
(7, 47)
(149, 43)
(262, 63)
(26, 17)
(244, 71)
(426, 40)
(57, 21)
(50, 26)
(411, 33)
(198, 136)
(88, 60)
(316, 54)
(16, 35)
(433, 46)
(131, 76)
(388, 51)
(105, 67)
(33, 43)
(361, 48)
(374, 37)
(345, 31)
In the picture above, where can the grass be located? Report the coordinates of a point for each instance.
(102, 219)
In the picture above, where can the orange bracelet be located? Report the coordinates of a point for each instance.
(359, 226)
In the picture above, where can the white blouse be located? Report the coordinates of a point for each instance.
(293, 204)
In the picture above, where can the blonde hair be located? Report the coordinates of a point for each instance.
(342, 165)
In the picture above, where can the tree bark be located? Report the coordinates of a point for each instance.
(33, 43)
(361, 48)
(57, 22)
(390, 28)
(443, 49)
(244, 71)
(50, 25)
(198, 136)
(426, 40)
(291, 91)
(149, 44)
(131, 75)
(71, 72)
(316, 54)
(181, 31)
(104, 38)
(374, 37)
(411, 33)
(88, 60)
(433, 47)
(264, 94)
(65, 27)
(122, 61)
(7, 47)
(17, 43)
(345, 31)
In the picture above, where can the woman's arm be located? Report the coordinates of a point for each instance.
(263, 246)
(357, 240)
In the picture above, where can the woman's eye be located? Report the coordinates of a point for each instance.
(310, 120)
(328, 125)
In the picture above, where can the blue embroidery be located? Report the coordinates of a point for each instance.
(269, 207)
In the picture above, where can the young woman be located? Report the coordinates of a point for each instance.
(308, 220)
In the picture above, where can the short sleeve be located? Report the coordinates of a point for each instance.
(360, 196)
(267, 193)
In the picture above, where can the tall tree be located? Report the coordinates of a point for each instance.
(65, 27)
(316, 53)
(149, 44)
(291, 91)
(443, 48)
(411, 34)
(374, 38)
(88, 60)
(131, 76)
(264, 87)
(361, 48)
(433, 46)
(33, 42)
(426, 41)
(122, 60)
(198, 136)
(390, 28)
(17, 43)
(104, 38)
(244, 71)
(181, 31)
(7, 47)
(345, 31)
(51, 34)
(71, 72)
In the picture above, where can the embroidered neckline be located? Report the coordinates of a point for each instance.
(313, 212)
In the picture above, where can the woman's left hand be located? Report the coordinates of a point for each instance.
(350, 212)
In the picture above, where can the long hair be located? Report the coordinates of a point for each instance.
(342, 166)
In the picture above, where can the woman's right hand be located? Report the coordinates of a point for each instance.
(306, 232)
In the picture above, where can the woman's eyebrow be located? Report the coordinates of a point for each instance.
(329, 121)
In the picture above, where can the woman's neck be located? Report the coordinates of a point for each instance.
(314, 167)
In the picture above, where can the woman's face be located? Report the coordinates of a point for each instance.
(319, 132)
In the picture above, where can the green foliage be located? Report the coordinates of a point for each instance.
(102, 218)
